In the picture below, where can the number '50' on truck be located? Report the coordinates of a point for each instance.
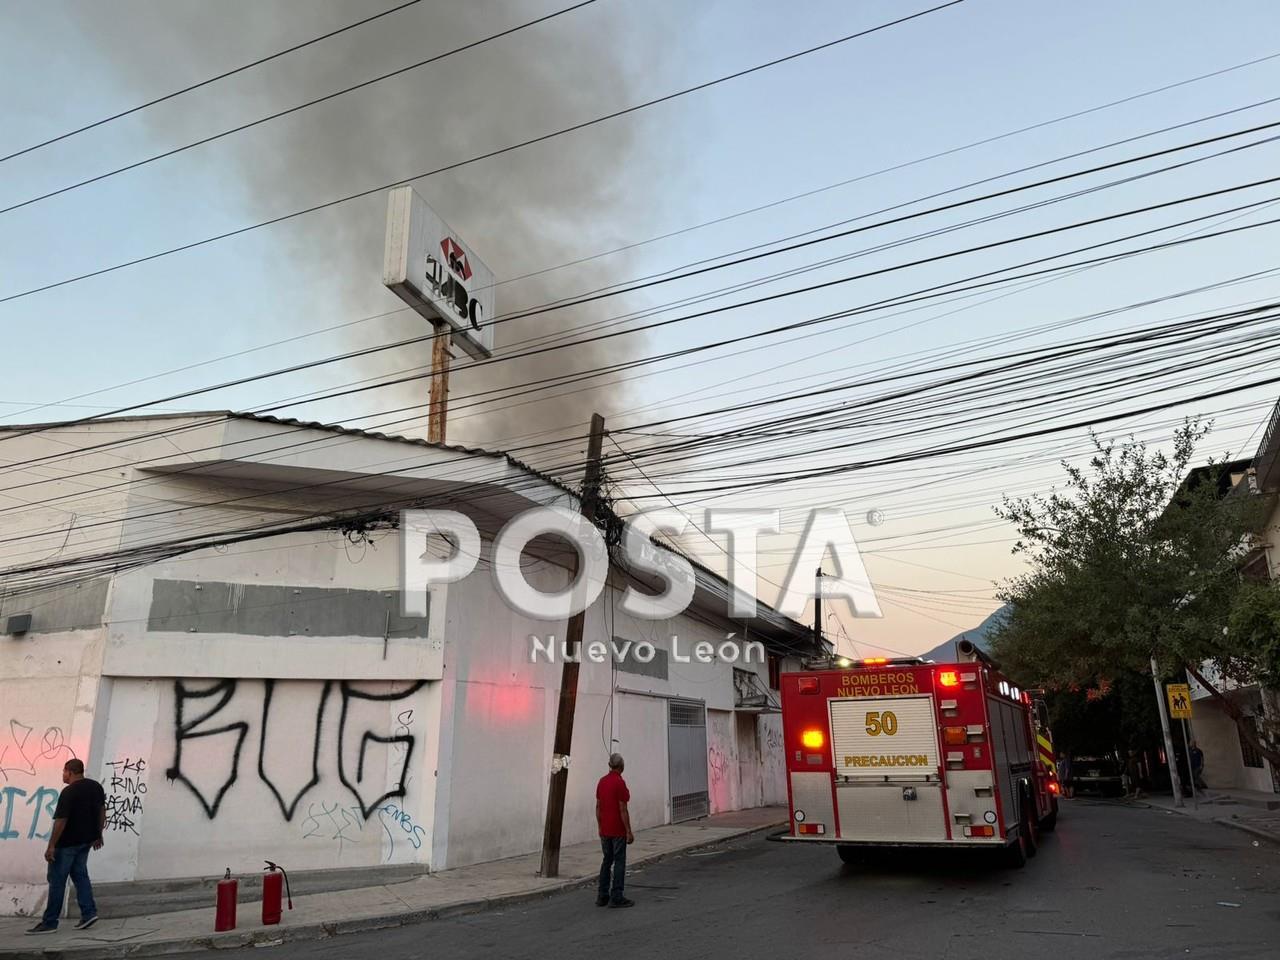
(911, 753)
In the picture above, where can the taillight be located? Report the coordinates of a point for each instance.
(1053, 787)
(808, 684)
(813, 739)
(949, 678)
(955, 736)
(979, 831)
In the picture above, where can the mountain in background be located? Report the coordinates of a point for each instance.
(980, 636)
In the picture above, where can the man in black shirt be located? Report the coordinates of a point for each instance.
(77, 827)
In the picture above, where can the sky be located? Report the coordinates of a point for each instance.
(863, 114)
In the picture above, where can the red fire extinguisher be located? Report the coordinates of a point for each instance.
(271, 885)
(225, 914)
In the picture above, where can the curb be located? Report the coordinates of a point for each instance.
(1249, 828)
(323, 930)
(1241, 825)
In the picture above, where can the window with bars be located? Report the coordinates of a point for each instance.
(1249, 753)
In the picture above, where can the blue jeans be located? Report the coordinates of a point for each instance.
(69, 862)
(615, 861)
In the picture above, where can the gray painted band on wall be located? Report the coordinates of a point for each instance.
(627, 663)
(264, 610)
(79, 606)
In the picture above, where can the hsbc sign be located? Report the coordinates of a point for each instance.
(428, 267)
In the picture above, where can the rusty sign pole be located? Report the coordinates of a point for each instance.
(1175, 780)
(559, 783)
(438, 408)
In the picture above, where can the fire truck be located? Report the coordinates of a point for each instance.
(911, 753)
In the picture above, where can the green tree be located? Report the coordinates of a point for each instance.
(1137, 556)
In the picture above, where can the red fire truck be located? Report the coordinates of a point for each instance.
(914, 753)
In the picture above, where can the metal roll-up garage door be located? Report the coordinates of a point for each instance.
(687, 759)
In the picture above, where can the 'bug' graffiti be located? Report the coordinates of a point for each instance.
(197, 710)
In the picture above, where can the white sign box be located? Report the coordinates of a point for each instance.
(428, 266)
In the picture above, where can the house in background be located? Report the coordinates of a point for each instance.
(1231, 762)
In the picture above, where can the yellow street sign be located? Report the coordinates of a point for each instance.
(1179, 701)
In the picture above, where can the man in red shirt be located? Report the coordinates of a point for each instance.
(615, 833)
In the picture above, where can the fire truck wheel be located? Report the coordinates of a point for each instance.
(1028, 826)
(1051, 819)
(850, 854)
(1015, 854)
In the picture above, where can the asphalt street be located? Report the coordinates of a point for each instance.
(1114, 881)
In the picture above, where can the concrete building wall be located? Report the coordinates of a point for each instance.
(266, 700)
(1217, 735)
(500, 714)
(48, 692)
(222, 735)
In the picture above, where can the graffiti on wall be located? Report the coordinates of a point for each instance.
(21, 750)
(34, 810)
(332, 820)
(125, 787)
(26, 811)
(345, 824)
(717, 765)
(197, 711)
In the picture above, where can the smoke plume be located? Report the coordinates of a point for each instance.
(544, 205)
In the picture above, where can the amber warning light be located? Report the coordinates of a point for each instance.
(949, 678)
(812, 739)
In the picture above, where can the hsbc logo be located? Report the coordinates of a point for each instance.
(447, 278)
(456, 258)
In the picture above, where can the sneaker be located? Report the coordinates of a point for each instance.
(602, 901)
(624, 902)
(87, 922)
(42, 927)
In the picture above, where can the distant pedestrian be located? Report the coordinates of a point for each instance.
(1064, 773)
(1197, 766)
(1133, 776)
(614, 822)
(78, 821)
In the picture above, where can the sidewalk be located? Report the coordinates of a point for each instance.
(1228, 808)
(316, 916)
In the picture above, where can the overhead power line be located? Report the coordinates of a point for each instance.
(689, 228)
(204, 83)
(294, 109)
(505, 358)
(510, 148)
(925, 293)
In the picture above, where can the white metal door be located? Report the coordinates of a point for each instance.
(687, 759)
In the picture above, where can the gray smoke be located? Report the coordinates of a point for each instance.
(544, 205)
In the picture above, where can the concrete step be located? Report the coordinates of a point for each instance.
(141, 897)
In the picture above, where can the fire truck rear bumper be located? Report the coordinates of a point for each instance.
(957, 843)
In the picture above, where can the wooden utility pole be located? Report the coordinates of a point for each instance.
(438, 409)
(569, 674)
(817, 610)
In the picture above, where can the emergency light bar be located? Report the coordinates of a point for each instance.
(844, 663)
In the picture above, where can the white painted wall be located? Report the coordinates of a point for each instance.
(482, 721)
(123, 725)
(500, 713)
(48, 686)
(1217, 735)
(212, 807)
